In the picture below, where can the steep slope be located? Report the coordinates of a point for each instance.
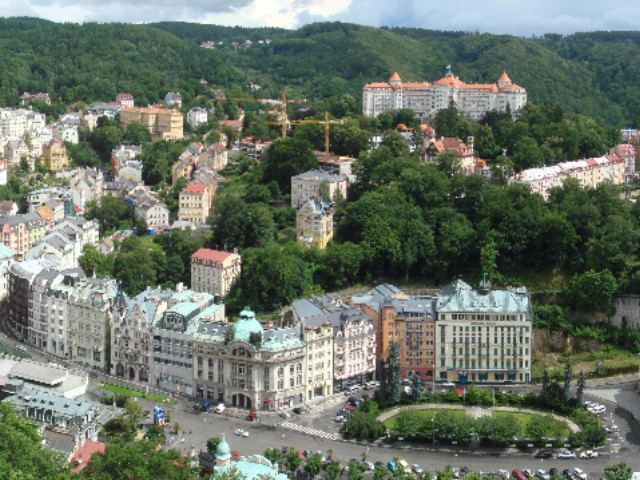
(96, 61)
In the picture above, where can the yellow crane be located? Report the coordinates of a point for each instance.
(326, 122)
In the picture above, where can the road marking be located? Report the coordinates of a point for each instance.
(309, 431)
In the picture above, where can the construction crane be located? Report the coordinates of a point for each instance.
(326, 122)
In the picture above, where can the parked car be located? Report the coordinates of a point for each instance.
(527, 473)
(297, 411)
(252, 416)
(380, 464)
(544, 454)
(285, 414)
(612, 429)
(518, 475)
(580, 474)
(554, 472)
(404, 465)
(241, 433)
(568, 474)
(567, 455)
(417, 469)
(392, 466)
(503, 473)
(589, 454)
(543, 475)
(206, 406)
(370, 466)
(448, 384)
(220, 408)
(197, 405)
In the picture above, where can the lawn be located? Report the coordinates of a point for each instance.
(422, 415)
(153, 397)
(559, 429)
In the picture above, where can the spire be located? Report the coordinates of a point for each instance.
(395, 79)
(504, 79)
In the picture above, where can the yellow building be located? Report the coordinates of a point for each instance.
(314, 223)
(163, 124)
(319, 350)
(194, 204)
(54, 156)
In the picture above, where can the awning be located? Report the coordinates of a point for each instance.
(268, 400)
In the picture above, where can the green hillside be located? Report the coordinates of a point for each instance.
(96, 61)
(592, 73)
(584, 72)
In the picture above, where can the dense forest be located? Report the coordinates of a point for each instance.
(591, 74)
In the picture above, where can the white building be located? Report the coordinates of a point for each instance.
(197, 116)
(213, 271)
(317, 184)
(6, 259)
(4, 172)
(427, 99)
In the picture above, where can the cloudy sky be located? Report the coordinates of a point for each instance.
(519, 17)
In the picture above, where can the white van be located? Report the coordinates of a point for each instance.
(220, 408)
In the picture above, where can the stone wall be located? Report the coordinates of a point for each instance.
(546, 342)
(627, 312)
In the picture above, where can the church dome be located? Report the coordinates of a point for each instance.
(246, 325)
(223, 452)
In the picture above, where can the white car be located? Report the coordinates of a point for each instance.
(613, 428)
(448, 384)
(566, 455)
(241, 433)
(220, 408)
(417, 468)
(285, 414)
(527, 473)
(580, 474)
(589, 454)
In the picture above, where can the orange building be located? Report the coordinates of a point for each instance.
(54, 156)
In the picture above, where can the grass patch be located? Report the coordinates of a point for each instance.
(612, 358)
(558, 430)
(153, 397)
(424, 415)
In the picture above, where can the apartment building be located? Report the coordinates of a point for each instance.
(483, 335)
(314, 224)
(214, 272)
(163, 124)
(194, 204)
(317, 184)
(89, 315)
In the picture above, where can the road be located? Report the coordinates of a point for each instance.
(265, 434)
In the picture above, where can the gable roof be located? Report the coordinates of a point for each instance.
(213, 255)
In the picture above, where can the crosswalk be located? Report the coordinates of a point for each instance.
(309, 431)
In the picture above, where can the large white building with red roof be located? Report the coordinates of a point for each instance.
(213, 271)
(427, 99)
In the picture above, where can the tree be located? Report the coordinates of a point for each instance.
(104, 139)
(593, 290)
(333, 470)
(539, 426)
(405, 424)
(137, 133)
(138, 460)
(568, 374)
(546, 379)
(91, 259)
(21, 452)
(291, 460)
(416, 387)
(285, 158)
(274, 455)
(135, 269)
(580, 390)
(133, 411)
(313, 465)
(356, 470)
(619, 471)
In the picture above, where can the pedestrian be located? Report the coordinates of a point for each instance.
(182, 440)
(189, 431)
(204, 419)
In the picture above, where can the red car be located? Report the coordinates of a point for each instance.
(517, 474)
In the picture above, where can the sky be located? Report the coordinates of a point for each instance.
(516, 17)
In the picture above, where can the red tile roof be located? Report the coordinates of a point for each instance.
(214, 255)
(83, 455)
(199, 189)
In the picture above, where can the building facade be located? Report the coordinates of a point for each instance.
(194, 204)
(483, 335)
(89, 315)
(214, 272)
(163, 124)
(317, 184)
(54, 156)
(427, 99)
(248, 366)
(314, 224)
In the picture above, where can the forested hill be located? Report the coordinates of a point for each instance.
(96, 61)
(594, 74)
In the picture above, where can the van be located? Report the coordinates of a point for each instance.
(220, 408)
(205, 406)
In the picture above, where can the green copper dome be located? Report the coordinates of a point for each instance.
(246, 325)
(223, 452)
